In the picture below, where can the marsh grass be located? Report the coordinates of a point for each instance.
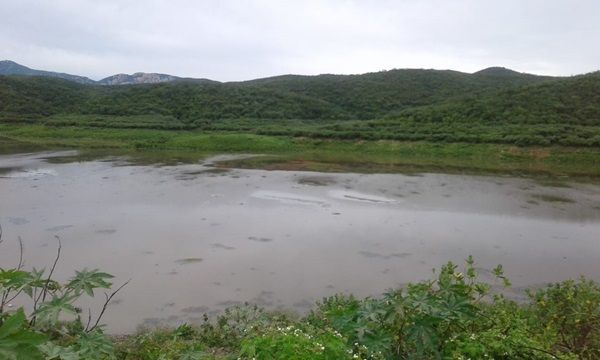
(297, 153)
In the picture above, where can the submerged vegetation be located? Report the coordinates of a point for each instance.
(451, 316)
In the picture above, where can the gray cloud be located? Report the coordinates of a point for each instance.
(237, 40)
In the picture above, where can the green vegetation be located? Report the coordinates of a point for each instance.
(492, 106)
(44, 333)
(297, 153)
(399, 120)
(452, 316)
(284, 97)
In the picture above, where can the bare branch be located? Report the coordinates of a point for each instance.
(5, 294)
(20, 266)
(44, 291)
(108, 299)
(15, 296)
(89, 321)
(541, 350)
(3, 300)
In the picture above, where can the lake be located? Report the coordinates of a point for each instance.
(195, 238)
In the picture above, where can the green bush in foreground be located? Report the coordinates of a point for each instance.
(453, 316)
(53, 329)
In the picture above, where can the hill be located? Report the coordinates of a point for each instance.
(322, 97)
(561, 111)
(8, 67)
(495, 105)
(377, 94)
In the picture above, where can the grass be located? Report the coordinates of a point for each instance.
(297, 153)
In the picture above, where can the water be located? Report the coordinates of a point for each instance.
(195, 239)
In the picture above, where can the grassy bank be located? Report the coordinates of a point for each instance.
(299, 153)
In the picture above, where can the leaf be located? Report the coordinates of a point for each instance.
(12, 324)
(49, 312)
(18, 342)
(53, 351)
(423, 336)
(13, 278)
(94, 345)
(88, 280)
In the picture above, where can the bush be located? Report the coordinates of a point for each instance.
(571, 313)
(299, 343)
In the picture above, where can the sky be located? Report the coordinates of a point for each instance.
(240, 40)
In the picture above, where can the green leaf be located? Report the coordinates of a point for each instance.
(94, 345)
(12, 324)
(53, 351)
(423, 336)
(13, 278)
(16, 341)
(49, 312)
(88, 280)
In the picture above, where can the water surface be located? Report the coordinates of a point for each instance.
(196, 239)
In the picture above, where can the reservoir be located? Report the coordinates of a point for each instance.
(196, 238)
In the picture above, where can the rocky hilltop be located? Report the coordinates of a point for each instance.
(137, 78)
(8, 67)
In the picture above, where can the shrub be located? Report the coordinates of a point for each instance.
(299, 343)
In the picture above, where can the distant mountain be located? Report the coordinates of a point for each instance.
(416, 86)
(137, 78)
(8, 67)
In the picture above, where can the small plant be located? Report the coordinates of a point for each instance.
(43, 333)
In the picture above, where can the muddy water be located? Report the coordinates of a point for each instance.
(195, 239)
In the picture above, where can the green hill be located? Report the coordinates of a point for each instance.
(8, 67)
(378, 94)
(366, 96)
(565, 111)
(495, 105)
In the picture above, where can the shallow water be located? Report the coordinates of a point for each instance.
(195, 239)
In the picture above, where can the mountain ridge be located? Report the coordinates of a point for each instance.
(9, 67)
(497, 106)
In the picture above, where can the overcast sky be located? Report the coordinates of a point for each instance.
(239, 40)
